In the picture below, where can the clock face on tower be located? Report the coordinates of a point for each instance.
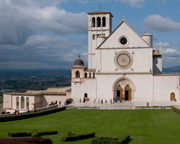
(123, 60)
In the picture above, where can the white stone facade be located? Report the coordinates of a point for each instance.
(126, 67)
(121, 66)
(32, 100)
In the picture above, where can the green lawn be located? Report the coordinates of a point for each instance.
(144, 126)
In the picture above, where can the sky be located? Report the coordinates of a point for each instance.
(50, 34)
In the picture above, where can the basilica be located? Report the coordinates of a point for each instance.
(122, 66)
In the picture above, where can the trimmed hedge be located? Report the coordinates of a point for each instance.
(175, 109)
(34, 133)
(47, 132)
(30, 115)
(72, 137)
(109, 140)
(19, 134)
(25, 141)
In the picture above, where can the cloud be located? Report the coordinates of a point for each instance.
(42, 52)
(159, 23)
(171, 57)
(21, 19)
(162, 44)
(134, 3)
(170, 52)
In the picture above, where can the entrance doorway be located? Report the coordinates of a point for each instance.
(127, 93)
(86, 97)
(172, 96)
(119, 94)
(123, 89)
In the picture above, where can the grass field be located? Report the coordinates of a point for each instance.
(144, 126)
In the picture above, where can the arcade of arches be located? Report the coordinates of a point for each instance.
(123, 90)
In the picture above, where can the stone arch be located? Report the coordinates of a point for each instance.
(126, 85)
(85, 75)
(93, 22)
(27, 102)
(77, 74)
(17, 102)
(94, 75)
(85, 95)
(119, 92)
(127, 92)
(22, 102)
(172, 96)
(98, 22)
(104, 21)
(89, 75)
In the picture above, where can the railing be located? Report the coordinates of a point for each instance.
(37, 110)
(47, 108)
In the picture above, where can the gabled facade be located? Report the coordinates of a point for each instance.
(125, 66)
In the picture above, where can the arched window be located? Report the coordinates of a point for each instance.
(17, 102)
(98, 22)
(27, 103)
(93, 22)
(77, 74)
(89, 75)
(127, 93)
(85, 75)
(104, 22)
(172, 96)
(93, 75)
(85, 95)
(22, 102)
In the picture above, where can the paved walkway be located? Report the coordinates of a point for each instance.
(118, 105)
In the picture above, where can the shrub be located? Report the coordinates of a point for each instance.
(35, 133)
(30, 115)
(47, 132)
(19, 134)
(25, 141)
(109, 140)
(72, 137)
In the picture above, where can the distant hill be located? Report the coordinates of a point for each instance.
(175, 69)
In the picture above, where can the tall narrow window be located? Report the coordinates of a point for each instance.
(27, 103)
(77, 74)
(104, 22)
(93, 75)
(89, 75)
(85, 75)
(93, 36)
(22, 102)
(98, 22)
(93, 22)
(17, 102)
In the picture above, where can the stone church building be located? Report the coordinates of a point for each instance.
(122, 65)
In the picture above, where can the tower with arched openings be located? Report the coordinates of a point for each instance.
(99, 24)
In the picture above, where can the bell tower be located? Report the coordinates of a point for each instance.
(99, 24)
